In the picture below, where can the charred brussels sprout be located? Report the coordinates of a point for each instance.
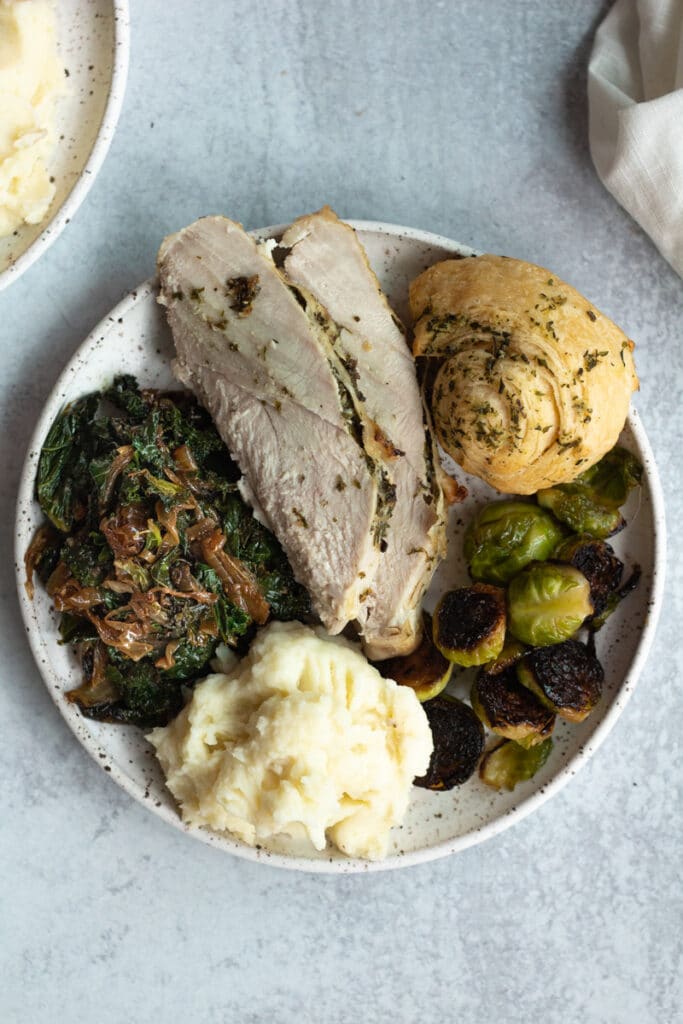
(512, 652)
(598, 563)
(458, 743)
(547, 603)
(615, 598)
(566, 677)
(469, 624)
(590, 504)
(509, 709)
(506, 536)
(509, 763)
(426, 670)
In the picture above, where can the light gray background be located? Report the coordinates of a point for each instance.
(467, 118)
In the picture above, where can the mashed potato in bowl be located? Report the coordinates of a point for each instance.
(302, 735)
(31, 78)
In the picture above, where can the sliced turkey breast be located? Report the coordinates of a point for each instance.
(258, 353)
(325, 257)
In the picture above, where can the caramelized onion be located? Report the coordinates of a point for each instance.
(167, 660)
(168, 520)
(208, 627)
(97, 689)
(123, 456)
(239, 583)
(60, 575)
(184, 460)
(199, 595)
(41, 539)
(68, 594)
(201, 529)
(148, 607)
(119, 586)
(72, 597)
(124, 636)
(125, 530)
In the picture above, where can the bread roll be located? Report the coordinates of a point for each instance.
(528, 383)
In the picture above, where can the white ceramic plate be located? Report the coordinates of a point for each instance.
(93, 48)
(134, 339)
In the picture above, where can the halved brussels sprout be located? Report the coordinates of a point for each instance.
(469, 624)
(512, 652)
(458, 743)
(505, 536)
(615, 598)
(509, 709)
(598, 563)
(573, 506)
(426, 670)
(566, 677)
(613, 478)
(547, 603)
(508, 763)
(590, 504)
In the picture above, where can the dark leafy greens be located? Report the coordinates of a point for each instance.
(149, 552)
(64, 460)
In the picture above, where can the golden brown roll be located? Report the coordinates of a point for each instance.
(528, 383)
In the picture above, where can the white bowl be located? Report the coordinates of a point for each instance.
(134, 339)
(94, 43)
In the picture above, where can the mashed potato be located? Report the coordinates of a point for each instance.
(30, 79)
(303, 734)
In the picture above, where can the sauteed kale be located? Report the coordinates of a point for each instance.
(149, 553)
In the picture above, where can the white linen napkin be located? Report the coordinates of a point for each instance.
(635, 98)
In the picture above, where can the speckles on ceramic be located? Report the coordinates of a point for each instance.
(94, 44)
(134, 339)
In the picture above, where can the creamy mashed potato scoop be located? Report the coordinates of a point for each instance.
(31, 78)
(302, 736)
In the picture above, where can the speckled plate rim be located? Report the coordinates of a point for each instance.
(105, 134)
(349, 865)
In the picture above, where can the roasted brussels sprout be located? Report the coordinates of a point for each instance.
(426, 670)
(469, 624)
(614, 599)
(613, 478)
(458, 743)
(505, 536)
(547, 603)
(598, 563)
(590, 504)
(572, 505)
(512, 652)
(509, 763)
(509, 709)
(566, 677)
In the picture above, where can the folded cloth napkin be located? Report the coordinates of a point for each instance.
(635, 98)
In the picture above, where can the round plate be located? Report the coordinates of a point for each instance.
(94, 41)
(135, 339)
